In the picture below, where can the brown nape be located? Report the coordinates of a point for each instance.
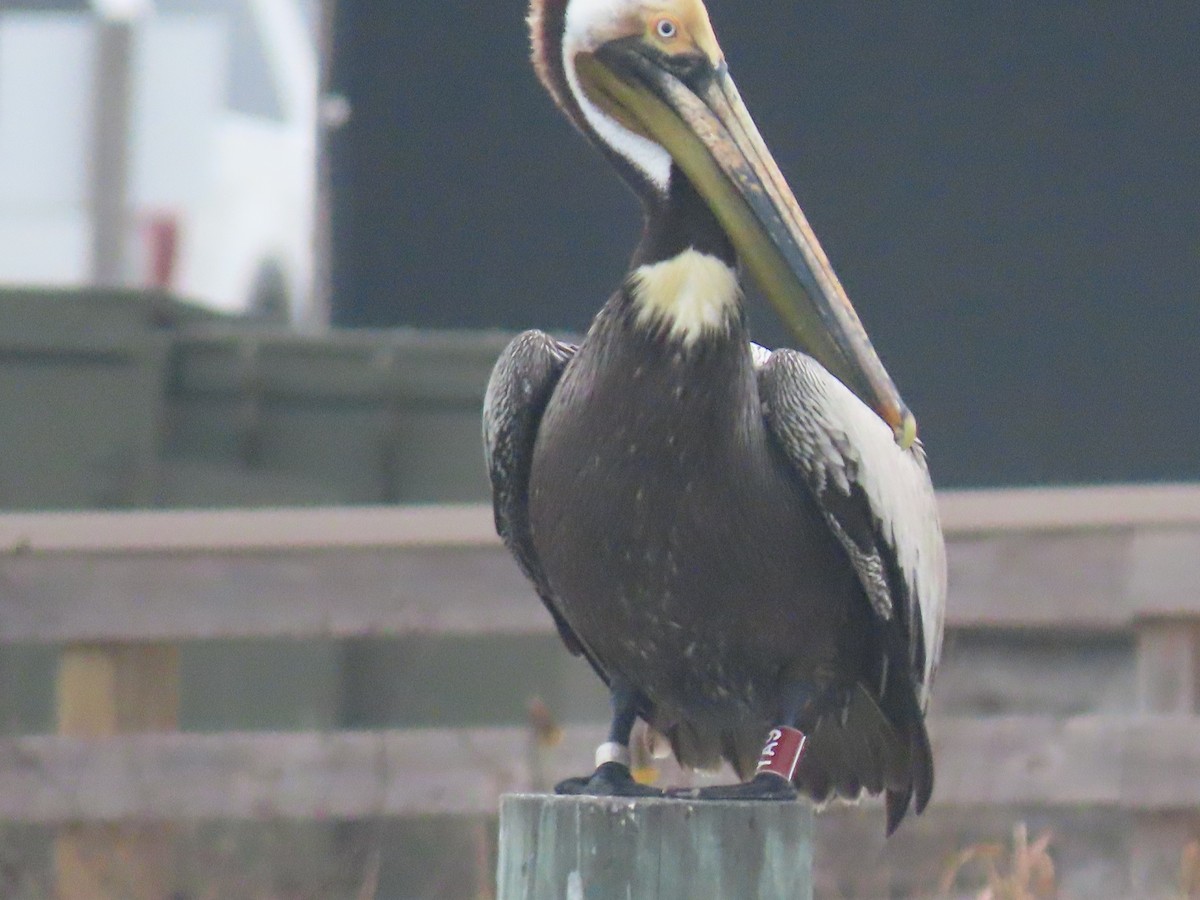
(547, 21)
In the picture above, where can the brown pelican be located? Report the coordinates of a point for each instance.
(744, 544)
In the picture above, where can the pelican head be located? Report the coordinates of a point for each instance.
(647, 82)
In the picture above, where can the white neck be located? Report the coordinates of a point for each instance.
(584, 19)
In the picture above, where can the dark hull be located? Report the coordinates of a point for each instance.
(683, 553)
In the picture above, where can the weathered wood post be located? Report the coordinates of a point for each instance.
(104, 690)
(1168, 683)
(596, 848)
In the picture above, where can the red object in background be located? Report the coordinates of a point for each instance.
(162, 245)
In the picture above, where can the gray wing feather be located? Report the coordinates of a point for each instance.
(877, 498)
(520, 386)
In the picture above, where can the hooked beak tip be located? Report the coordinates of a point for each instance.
(905, 431)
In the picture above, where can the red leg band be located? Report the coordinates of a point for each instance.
(782, 752)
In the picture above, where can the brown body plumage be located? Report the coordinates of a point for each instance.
(712, 529)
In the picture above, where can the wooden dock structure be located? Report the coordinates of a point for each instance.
(118, 592)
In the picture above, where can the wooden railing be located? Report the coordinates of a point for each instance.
(118, 591)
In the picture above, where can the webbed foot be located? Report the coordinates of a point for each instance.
(763, 786)
(611, 779)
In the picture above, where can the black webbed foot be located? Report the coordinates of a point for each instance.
(764, 786)
(612, 779)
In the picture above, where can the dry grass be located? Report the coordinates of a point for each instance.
(1024, 871)
(1189, 871)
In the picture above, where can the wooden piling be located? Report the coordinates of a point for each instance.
(596, 848)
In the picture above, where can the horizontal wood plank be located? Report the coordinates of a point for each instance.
(1107, 506)
(1071, 581)
(244, 530)
(1084, 582)
(964, 513)
(1146, 762)
(320, 593)
(261, 776)
(359, 572)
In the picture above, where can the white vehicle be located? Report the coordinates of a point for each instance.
(220, 150)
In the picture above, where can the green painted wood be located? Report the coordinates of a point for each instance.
(367, 417)
(608, 848)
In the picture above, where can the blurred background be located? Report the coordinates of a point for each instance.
(262, 253)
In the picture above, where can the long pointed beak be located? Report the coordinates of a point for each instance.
(698, 116)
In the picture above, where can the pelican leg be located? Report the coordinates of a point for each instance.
(784, 748)
(612, 777)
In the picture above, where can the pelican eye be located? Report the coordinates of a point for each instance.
(666, 29)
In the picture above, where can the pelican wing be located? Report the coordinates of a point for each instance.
(876, 497)
(520, 386)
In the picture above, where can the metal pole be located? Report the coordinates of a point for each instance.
(332, 114)
(109, 181)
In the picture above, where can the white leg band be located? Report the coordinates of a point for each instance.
(611, 751)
